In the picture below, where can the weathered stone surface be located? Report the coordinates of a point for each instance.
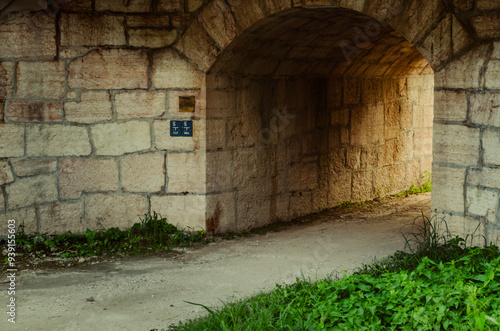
(25, 218)
(29, 37)
(463, 4)
(492, 75)
(114, 210)
(339, 188)
(463, 72)
(11, 140)
(362, 183)
(77, 176)
(121, 138)
(6, 175)
(6, 79)
(123, 6)
(487, 25)
(171, 5)
(151, 38)
(59, 218)
(140, 104)
(482, 202)
(41, 80)
(193, 5)
(30, 167)
(143, 172)
(299, 206)
(303, 177)
(198, 47)
(2, 210)
(77, 5)
(110, 69)
(216, 134)
(219, 22)
(29, 191)
(91, 30)
(491, 146)
(221, 213)
(57, 140)
(148, 21)
(484, 109)
(164, 141)
(26, 111)
(423, 143)
(246, 12)
(487, 5)
(170, 70)
(485, 177)
(186, 172)
(185, 211)
(456, 144)
(450, 106)
(219, 171)
(448, 189)
(93, 107)
(367, 125)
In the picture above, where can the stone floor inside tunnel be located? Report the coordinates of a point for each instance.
(312, 108)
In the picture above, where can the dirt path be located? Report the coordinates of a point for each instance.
(143, 294)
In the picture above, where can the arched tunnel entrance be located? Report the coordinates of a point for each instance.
(312, 107)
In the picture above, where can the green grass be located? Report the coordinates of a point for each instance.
(152, 234)
(440, 283)
(417, 189)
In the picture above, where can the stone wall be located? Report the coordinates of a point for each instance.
(88, 87)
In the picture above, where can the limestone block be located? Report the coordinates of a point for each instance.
(398, 179)
(121, 138)
(382, 181)
(77, 176)
(57, 140)
(340, 188)
(171, 5)
(26, 111)
(392, 120)
(29, 37)
(463, 4)
(148, 21)
(246, 12)
(164, 141)
(41, 79)
(221, 212)
(423, 142)
(450, 106)
(152, 38)
(93, 107)
(456, 144)
(372, 92)
(186, 172)
(76, 5)
(220, 103)
(463, 72)
(25, 218)
(367, 125)
(485, 177)
(193, 5)
(219, 171)
(448, 188)
(303, 177)
(369, 157)
(487, 5)
(29, 167)
(138, 6)
(29, 191)
(482, 202)
(140, 104)
(110, 69)
(274, 6)
(300, 205)
(187, 212)
(6, 175)
(11, 140)
(143, 172)
(320, 199)
(405, 146)
(105, 211)
(91, 30)
(353, 157)
(484, 109)
(200, 102)
(198, 46)
(492, 75)
(59, 218)
(491, 146)
(487, 25)
(362, 185)
(219, 22)
(170, 70)
(7, 70)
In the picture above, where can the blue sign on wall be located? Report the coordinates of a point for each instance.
(182, 128)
